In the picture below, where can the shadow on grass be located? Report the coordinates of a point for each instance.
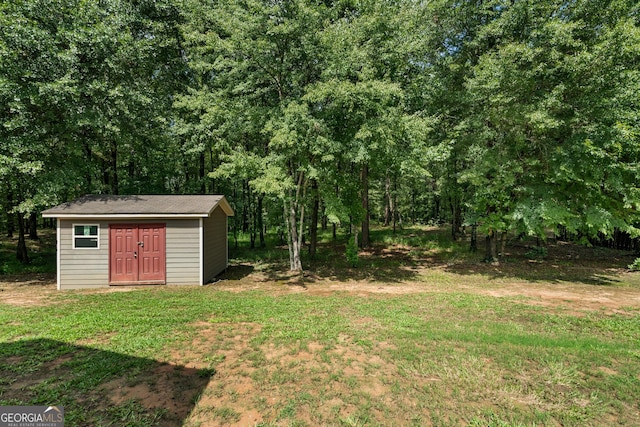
(236, 271)
(378, 264)
(37, 280)
(565, 262)
(404, 256)
(98, 387)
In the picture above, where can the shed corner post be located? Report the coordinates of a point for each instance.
(201, 227)
(58, 246)
(226, 240)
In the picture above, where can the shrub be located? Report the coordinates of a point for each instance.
(537, 252)
(351, 252)
(635, 265)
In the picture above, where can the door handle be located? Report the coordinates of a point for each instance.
(141, 244)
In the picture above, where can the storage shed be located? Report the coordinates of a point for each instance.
(123, 240)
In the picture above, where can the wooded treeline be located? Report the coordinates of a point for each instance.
(503, 115)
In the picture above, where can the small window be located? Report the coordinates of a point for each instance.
(86, 237)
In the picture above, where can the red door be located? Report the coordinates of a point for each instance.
(123, 247)
(137, 253)
(151, 254)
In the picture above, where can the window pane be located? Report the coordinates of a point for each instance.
(85, 230)
(83, 242)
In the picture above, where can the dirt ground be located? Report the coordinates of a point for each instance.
(36, 289)
(572, 296)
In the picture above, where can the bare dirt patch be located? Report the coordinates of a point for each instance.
(41, 290)
(575, 297)
(27, 290)
(256, 383)
(171, 389)
(227, 353)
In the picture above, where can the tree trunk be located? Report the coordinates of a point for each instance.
(454, 198)
(491, 247)
(212, 182)
(245, 206)
(33, 226)
(131, 169)
(503, 243)
(394, 204)
(334, 226)
(295, 263)
(313, 227)
(355, 236)
(294, 236)
(474, 238)
(413, 207)
(287, 221)
(187, 173)
(364, 240)
(260, 221)
(456, 218)
(437, 201)
(300, 207)
(387, 201)
(203, 182)
(253, 229)
(253, 220)
(21, 253)
(106, 176)
(235, 221)
(324, 219)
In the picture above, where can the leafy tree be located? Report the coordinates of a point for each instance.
(32, 66)
(256, 59)
(513, 116)
(360, 95)
(548, 122)
(85, 97)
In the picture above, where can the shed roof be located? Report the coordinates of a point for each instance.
(139, 206)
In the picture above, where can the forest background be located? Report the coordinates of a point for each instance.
(518, 116)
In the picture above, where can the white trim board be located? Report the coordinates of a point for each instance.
(58, 246)
(201, 251)
(123, 216)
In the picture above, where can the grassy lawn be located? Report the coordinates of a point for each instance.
(419, 334)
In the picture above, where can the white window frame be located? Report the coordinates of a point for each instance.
(74, 236)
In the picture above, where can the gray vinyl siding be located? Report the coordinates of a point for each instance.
(183, 252)
(215, 244)
(89, 268)
(83, 268)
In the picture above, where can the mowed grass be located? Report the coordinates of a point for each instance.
(426, 359)
(283, 355)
